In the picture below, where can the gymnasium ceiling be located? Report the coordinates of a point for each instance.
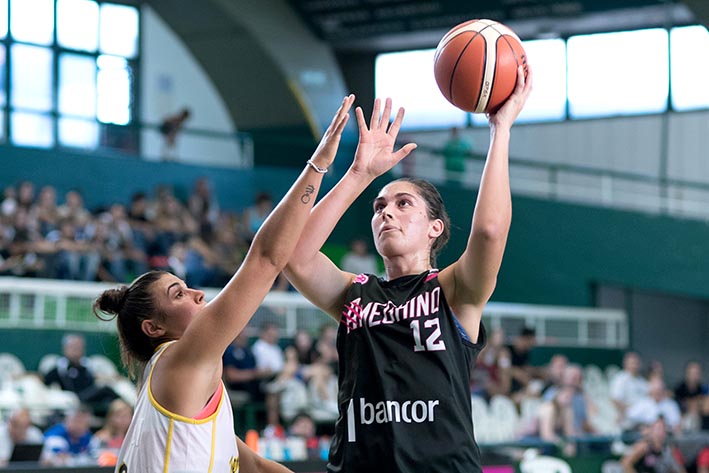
(395, 24)
(282, 63)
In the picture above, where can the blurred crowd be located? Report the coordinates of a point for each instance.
(628, 411)
(50, 236)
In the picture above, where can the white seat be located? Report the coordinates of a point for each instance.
(594, 381)
(504, 414)
(11, 367)
(611, 371)
(125, 388)
(482, 421)
(47, 363)
(102, 368)
(532, 462)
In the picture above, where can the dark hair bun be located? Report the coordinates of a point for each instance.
(111, 301)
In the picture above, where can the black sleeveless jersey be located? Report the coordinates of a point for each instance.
(404, 381)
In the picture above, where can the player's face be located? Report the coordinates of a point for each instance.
(401, 225)
(179, 303)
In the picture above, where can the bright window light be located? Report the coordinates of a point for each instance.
(689, 50)
(119, 30)
(3, 59)
(32, 21)
(77, 24)
(407, 77)
(78, 133)
(31, 81)
(77, 85)
(3, 18)
(114, 90)
(618, 73)
(547, 102)
(29, 129)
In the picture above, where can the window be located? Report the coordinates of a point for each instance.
(408, 79)
(31, 83)
(119, 30)
(114, 79)
(548, 98)
(77, 24)
(3, 18)
(94, 54)
(618, 73)
(689, 50)
(30, 129)
(32, 21)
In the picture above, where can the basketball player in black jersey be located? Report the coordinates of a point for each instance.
(407, 342)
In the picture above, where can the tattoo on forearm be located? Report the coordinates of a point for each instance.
(309, 190)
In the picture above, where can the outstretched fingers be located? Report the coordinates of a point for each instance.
(374, 119)
(386, 115)
(396, 124)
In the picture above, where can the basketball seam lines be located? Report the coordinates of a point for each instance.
(457, 61)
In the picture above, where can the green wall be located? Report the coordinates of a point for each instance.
(558, 252)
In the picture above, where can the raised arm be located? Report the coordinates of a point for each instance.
(195, 360)
(309, 270)
(468, 283)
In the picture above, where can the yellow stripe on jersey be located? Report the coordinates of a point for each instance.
(172, 415)
(168, 445)
(214, 443)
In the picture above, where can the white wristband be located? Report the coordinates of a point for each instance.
(317, 168)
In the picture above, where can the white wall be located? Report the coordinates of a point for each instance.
(172, 79)
(635, 145)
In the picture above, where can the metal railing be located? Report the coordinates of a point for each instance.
(66, 305)
(579, 184)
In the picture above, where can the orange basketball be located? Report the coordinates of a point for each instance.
(476, 65)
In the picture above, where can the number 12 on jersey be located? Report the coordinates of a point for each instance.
(433, 341)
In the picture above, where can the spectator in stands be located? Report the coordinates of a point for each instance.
(107, 441)
(554, 372)
(554, 424)
(491, 375)
(653, 453)
(304, 347)
(30, 254)
(169, 128)
(173, 223)
(240, 371)
(140, 220)
(303, 426)
(46, 211)
(647, 409)
(521, 371)
(572, 380)
(126, 256)
(326, 345)
(17, 430)
(689, 393)
(703, 461)
(201, 259)
(456, 151)
(270, 359)
(25, 196)
(322, 392)
(68, 443)
(202, 204)
(73, 208)
(628, 385)
(359, 260)
(72, 373)
(255, 215)
(8, 207)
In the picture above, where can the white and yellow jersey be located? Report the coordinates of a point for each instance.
(160, 441)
